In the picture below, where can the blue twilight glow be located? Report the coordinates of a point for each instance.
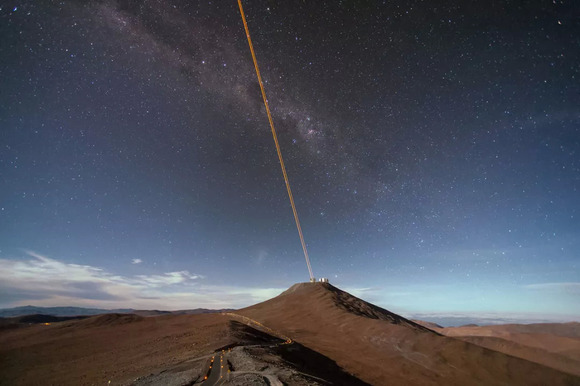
(433, 152)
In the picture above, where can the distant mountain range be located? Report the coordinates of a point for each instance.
(80, 311)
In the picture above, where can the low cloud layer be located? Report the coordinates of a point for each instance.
(44, 281)
(486, 319)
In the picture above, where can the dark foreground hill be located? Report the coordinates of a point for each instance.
(312, 334)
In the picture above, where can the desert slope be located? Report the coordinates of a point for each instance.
(168, 350)
(555, 345)
(382, 348)
(115, 347)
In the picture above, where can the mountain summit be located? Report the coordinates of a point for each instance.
(326, 303)
(383, 348)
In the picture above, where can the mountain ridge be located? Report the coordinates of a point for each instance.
(350, 330)
(83, 311)
(354, 305)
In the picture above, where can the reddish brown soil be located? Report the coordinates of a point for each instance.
(112, 347)
(555, 345)
(382, 348)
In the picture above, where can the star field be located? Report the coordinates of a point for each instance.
(432, 148)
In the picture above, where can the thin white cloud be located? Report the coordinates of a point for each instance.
(564, 286)
(168, 278)
(44, 281)
(136, 261)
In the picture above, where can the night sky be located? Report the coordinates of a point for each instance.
(433, 150)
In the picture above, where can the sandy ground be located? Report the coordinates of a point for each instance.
(556, 345)
(116, 348)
